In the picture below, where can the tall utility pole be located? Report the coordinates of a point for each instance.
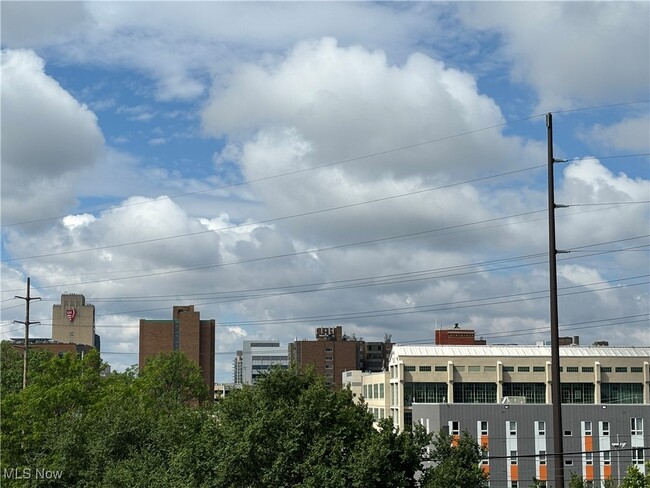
(27, 323)
(556, 397)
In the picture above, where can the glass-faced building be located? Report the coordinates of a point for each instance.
(258, 357)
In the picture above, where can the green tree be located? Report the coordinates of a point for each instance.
(11, 366)
(390, 459)
(577, 481)
(456, 464)
(292, 429)
(635, 478)
(124, 430)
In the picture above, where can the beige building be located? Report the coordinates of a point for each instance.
(73, 321)
(490, 374)
(501, 395)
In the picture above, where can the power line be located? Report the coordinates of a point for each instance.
(267, 221)
(304, 170)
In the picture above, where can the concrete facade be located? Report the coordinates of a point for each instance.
(73, 321)
(186, 332)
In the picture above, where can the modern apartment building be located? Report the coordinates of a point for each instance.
(73, 321)
(256, 358)
(185, 332)
(502, 396)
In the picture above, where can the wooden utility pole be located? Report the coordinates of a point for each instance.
(27, 323)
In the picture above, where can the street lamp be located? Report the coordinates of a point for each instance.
(618, 446)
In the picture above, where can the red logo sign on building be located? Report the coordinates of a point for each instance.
(71, 313)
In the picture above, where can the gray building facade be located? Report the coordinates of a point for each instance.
(518, 438)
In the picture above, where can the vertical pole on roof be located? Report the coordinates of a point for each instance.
(555, 340)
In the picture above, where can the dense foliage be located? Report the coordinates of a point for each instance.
(156, 428)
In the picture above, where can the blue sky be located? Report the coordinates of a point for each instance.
(284, 166)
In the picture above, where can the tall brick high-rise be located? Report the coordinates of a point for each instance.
(186, 332)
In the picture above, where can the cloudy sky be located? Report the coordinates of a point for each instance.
(284, 166)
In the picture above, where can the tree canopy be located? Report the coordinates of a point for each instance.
(155, 427)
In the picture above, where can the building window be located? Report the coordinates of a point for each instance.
(571, 369)
(577, 392)
(621, 393)
(375, 390)
(329, 349)
(512, 427)
(621, 369)
(424, 393)
(605, 369)
(484, 427)
(604, 428)
(409, 369)
(489, 369)
(441, 368)
(636, 369)
(381, 390)
(636, 426)
(475, 392)
(514, 484)
(460, 369)
(408, 418)
(568, 433)
(587, 428)
(539, 369)
(508, 369)
(329, 358)
(589, 458)
(329, 366)
(455, 427)
(637, 456)
(541, 428)
(542, 458)
(425, 369)
(523, 369)
(587, 369)
(607, 458)
(513, 457)
(533, 392)
(474, 369)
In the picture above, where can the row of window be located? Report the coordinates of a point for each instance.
(373, 391)
(466, 392)
(523, 369)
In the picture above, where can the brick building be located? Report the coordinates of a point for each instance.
(185, 332)
(334, 352)
(457, 337)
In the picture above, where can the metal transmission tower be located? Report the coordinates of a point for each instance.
(556, 397)
(27, 323)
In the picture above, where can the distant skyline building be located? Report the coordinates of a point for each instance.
(457, 337)
(256, 358)
(185, 332)
(334, 352)
(73, 321)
